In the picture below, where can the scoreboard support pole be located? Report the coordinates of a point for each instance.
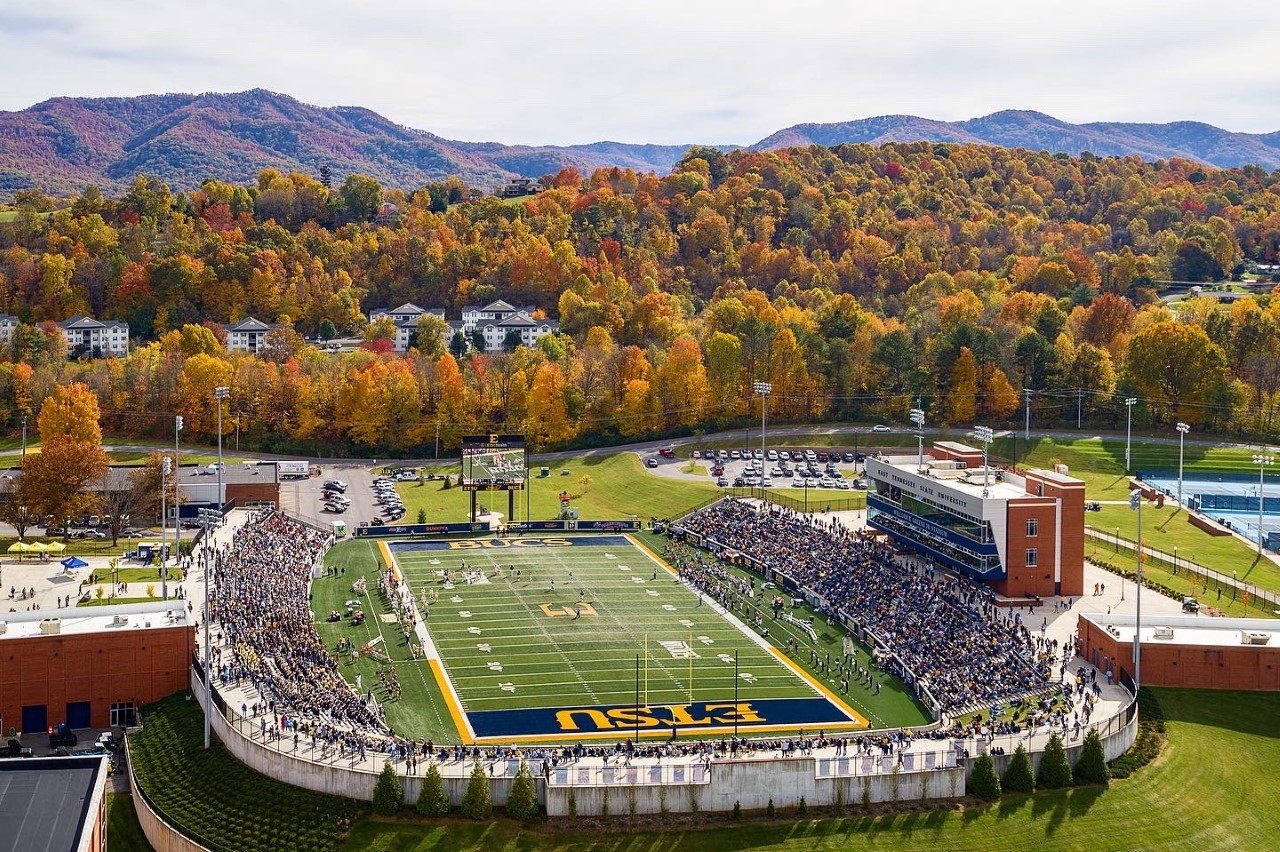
(472, 518)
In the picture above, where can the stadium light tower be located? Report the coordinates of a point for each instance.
(1135, 502)
(1183, 429)
(917, 417)
(986, 436)
(166, 467)
(1263, 461)
(764, 389)
(177, 523)
(1128, 432)
(220, 393)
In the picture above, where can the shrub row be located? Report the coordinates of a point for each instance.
(220, 801)
(1146, 747)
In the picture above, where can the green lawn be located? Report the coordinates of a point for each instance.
(602, 487)
(124, 834)
(1166, 529)
(1209, 790)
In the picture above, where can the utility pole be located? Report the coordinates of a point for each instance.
(166, 466)
(1026, 433)
(1183, 429)
(1079, 405)
(220, 393)
(1135, 502)
(764, 389)
(24, 437)
(436, 454)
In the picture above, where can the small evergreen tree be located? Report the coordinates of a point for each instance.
(802, 809)
(1092, 766)
(1017, 776)
(1055, 772)
(522, 804)
(737, 810)
(433, 801)
(388, 794)
(983, 781)
(572, 805)
(771, 810)
(476, 803)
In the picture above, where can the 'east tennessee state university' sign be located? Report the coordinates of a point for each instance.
(699, 716)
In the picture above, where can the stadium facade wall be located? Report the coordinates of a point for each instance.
(750, 782)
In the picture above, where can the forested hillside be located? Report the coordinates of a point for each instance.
(855, 279)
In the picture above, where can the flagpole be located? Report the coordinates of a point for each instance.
(735, 695)
(637, 739)
(646, 670)
(690, 666)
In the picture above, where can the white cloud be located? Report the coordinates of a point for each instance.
(666, 71)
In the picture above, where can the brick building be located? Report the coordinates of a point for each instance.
(1190, 650)
(91, 667)
(1022, 533)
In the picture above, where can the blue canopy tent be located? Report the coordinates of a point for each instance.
(74, 562)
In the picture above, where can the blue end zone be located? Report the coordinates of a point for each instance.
(532, 541)
(700, 715)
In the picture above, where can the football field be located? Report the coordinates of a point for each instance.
(547, 638)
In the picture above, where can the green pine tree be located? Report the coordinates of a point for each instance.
(476, 803)
(433, 801)
(1055, 772)
(983, 781)
(1092, 766)
(522, 804)
(1017, 776)
(388, 794)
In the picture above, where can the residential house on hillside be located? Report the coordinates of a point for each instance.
(505, 326)
(8, 325)
(90, 338)
(517, 187)
(248, 335)
(406, 319)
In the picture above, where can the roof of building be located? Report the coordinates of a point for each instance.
(249, 324)
(499, 306)
(957, 447)
(98, 619)
(79, 322)
(1196, 630)
(998, 485)
(232, 474)
(39, 796)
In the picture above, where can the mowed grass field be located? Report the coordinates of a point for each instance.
(513, 642)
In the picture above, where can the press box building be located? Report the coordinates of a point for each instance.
(1020, 532)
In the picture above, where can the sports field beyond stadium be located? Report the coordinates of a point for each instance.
(545, 646)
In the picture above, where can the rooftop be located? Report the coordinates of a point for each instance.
(47, 803)
(98, 619)
(232, 474)
(1197, 630)
(966, 481)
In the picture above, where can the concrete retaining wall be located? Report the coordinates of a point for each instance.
(162, 836)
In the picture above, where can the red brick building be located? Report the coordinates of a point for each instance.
(1194, 650)
(1022, 533)
(92, 667)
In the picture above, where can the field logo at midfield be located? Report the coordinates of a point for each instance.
(555, 612)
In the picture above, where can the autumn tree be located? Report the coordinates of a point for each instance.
(962, 389)
(60, 476)
(71, 412)
(1178, 368)
(16, 504)
(432, 335)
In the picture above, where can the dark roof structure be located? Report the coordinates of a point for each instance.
(49, 804)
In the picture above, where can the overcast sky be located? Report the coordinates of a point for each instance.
(566, 71)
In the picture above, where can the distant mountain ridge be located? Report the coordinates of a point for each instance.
(1191, 140)
(62, 144)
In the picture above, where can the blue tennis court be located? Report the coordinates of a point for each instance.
(1229, 498)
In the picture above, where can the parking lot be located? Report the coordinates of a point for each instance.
(835, 470)
(304, 497)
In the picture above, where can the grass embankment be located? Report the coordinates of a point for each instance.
(602, 487)
(220, 801)
(1203, 792)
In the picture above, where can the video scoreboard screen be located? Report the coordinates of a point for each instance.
(493, 463)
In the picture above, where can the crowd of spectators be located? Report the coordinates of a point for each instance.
(260, 605)
(946, 632)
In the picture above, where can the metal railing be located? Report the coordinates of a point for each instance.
(1264, 600)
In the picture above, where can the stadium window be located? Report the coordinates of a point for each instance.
(1033, 528)
(1033, 557)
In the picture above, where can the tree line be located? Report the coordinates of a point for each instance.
(860, 281)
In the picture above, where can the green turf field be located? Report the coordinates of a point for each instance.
(568, 630)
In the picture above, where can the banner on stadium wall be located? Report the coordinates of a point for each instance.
(455, 529)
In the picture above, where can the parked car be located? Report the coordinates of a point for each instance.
(848, 458)
(694, 454)
(651, 462)
(336, 485)
(772, 455)
(722, 482)
(880, 427)
(734, 454)
(667, 452)
(1190, 604)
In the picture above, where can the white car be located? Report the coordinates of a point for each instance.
(767, 482)
(772, 455)
(880, 427)
(810, 456)
(810, 482)
(734, 454)
(797, 483)
(843, 485)
(695, 454)
(723, 454)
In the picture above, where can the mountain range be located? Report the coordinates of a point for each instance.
(62, 144)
